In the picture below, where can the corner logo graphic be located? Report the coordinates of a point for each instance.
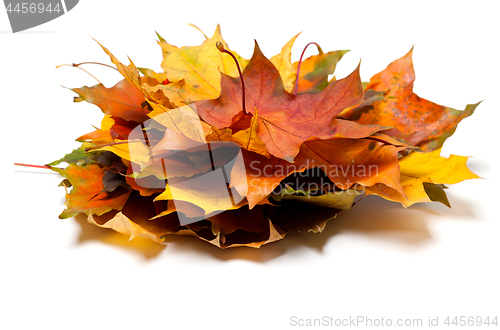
(202, 178)
(25, 14)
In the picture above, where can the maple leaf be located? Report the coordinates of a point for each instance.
(285, 120)
(253, 181)
(242, 218)
(156, 78)
(132, 75)
(88, 193)
(134, 220)
(369, 98)
(345, 161)
(134, 151)
(283, 63)
(195, 71)
(184, 122)
(123, 100)
(416, 120)
(147, 186)
(99, 136)
(76, 156)
(419, 168)
(232, 228)
(247, 138)
(295, 217)
(341, 200)
(111, 128)
(354, 161)
(241, 227)
(436, 193)
(208, 193)
(314, 71)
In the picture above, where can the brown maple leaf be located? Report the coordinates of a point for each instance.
(88, 192)
(285, 120)
(415, 120)
(123, 100)
(345, 161)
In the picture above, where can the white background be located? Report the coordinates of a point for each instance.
(377, 260)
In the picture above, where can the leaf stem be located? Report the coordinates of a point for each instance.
(30, 165)
(197, 28)
(97, 63)
(296, 89)
(73, 65)
(221, 48)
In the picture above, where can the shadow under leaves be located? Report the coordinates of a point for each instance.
(372, 216)
(88, 232)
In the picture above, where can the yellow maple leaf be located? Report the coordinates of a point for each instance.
(283, 62)
(420, 167)
(247, 138)
(199, 69)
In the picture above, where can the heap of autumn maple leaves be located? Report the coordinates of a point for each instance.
(310, 146)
